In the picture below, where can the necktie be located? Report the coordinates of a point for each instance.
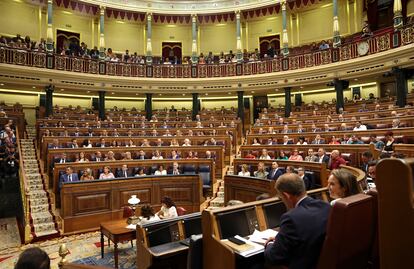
(274, 172)
(70, 178)
(98, 159)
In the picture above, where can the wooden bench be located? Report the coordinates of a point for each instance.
(225, 141)
(84, 205)
(352, 153)
(123, 132)
(72, 153)
(240, 220)
(380, 123)
(159, 244)
(395, 186)
(402, 135)
(149, 165)
(319, 170)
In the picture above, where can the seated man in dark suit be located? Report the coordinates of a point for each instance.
(302, 227)
(69, 176)
(124, 172)
(322, 157)
(61, 159)
(275, 172)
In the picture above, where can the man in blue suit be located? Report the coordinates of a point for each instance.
(302, 227)
(275, 172)
(69, 176)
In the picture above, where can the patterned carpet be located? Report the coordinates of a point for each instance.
(83, 248)
(9, 233)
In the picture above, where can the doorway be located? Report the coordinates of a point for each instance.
(172, 51)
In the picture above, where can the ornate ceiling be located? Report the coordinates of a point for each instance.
(183, 6)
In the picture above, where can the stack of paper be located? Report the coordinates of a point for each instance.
(245, 250)
(261, 237)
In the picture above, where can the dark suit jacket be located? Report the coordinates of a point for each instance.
(57, 160)
(278, 173)
(101, 159)
(308, 182)
(65, 177)
(325, 159)
(301, 235)
(121, 173)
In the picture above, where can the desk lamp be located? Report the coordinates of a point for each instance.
(133, 202)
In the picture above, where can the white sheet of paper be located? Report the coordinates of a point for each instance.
(261, 237)
(132, 227)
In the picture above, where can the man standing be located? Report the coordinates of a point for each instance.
(302, 228)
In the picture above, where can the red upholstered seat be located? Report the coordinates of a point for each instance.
(350, 234)
(127, 212)
(181, 211)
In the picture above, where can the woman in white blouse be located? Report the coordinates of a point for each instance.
(161, 171)
(245, 171)
(107, 174)
(168, 209)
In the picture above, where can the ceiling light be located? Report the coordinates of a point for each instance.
(136, 93)
(88, 92)
(34, 87)
(252, 91)
(62, 90)
(160, 94)
(229, 93)
(112, 93)
(183, 94)
(1, 84)
(206, 94)
(301, 87)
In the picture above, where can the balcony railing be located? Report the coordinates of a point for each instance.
(383, 40)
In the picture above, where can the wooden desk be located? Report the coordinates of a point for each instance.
(116, 231)
(159, 243)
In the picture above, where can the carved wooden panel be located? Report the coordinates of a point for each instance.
(178, 194)
(144, 194)
(89, 203)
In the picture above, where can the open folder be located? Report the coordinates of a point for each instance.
(254, 245)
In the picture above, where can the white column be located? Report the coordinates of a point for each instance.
(239, 53)
(102, 32)
(49, 33)
(398, 18)
(149, 35)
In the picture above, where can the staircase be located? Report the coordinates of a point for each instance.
(218, 201)
(42, 220)
(31, 132)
